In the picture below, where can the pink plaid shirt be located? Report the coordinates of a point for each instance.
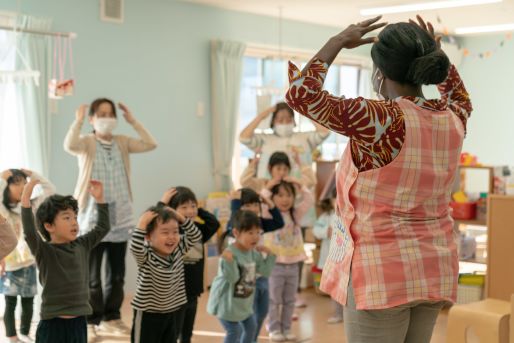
(399, 247)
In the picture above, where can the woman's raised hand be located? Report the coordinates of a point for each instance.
(352, 36)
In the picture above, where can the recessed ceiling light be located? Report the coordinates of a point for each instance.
(484, 29)
(424, 6)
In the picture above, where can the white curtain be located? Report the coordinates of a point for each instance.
(365, 84)
(33, 100)
(226, 76)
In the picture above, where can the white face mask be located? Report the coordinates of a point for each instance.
(284, 130)
(379, 95)
(105, 126)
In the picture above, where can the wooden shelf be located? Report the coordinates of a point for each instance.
(474, 260)
(482, 222)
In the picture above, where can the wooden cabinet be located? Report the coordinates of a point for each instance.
(500, 247)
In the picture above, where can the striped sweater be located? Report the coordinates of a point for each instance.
(160, 281)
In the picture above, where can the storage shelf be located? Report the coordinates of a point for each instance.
(474, 260)
(482, 222)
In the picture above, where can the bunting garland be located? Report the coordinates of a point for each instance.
(467, 53)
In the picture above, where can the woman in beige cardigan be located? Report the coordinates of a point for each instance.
(105, 157)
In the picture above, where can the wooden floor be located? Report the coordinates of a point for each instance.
(310, 327)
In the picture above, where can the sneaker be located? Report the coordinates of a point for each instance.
(91, 333)
(335, 320)
(25, 339)
(276, 336)
(115, 327)
(290, 336)
(300, 303)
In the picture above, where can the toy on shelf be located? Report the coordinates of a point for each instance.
(467, 159)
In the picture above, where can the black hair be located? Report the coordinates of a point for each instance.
(249, 196)
(50, 208)
(288, 187)
(17, 176)
(183, 195)
(164, 215)
(242, 221)
(407, 54)
(279, 107)
(278, 158)
(96, 104)
(325, 205)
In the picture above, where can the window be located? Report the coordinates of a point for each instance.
(265, 82)
(12, 133)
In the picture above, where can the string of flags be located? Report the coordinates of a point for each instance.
(467, 53)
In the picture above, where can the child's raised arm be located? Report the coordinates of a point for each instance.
(47, 186)
(27, 218)
(249, 177)
(276, 221)
(210, 226)
(95, 236)
(228, 266)
(137, 244)
(305, 204)
(192, 234)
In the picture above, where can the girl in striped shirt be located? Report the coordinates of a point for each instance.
(158, 249)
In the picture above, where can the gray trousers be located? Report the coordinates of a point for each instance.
(283, 284)
(408, 323)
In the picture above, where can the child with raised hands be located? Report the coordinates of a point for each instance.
(183, 200)
(158, 249)
(63, 261)
(233, 290)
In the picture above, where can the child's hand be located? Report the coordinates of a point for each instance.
(329, 232)
(6, 174)
(80, 114)
(227, 255)
(272, 183)
(293, 180)
(268, 202)
(96, 189)
(181, 219)
(168, 195)
(27, 192)
(235, 195)
(145, 219)
(126, 113)
(262, 249)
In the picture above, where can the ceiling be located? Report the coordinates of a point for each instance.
(340, 13)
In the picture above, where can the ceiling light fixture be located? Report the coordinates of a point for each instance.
(424, 6)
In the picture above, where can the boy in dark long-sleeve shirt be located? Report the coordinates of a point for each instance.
(63, 262)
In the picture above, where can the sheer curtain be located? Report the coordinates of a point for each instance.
(24, 118)
(33, 100)
(226, 76)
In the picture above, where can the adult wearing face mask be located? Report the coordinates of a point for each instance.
(297, 145)
(104, 156)
(283, 138)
